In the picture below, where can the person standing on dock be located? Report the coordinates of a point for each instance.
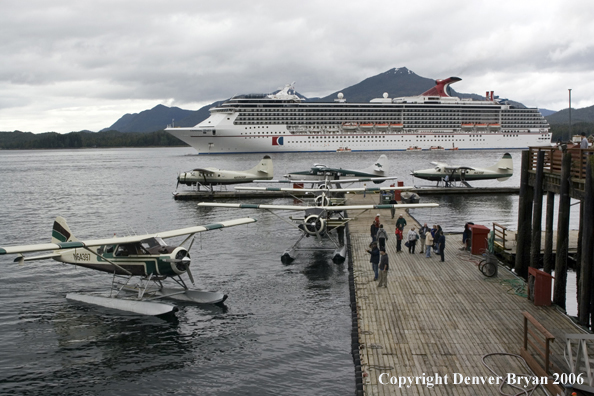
(401, 222)
(382, 237)
(423, 231)
(441, 242)
(393, 209)
(412, 240)
(584, 142)
(398, 233)
(429, 244)
(384, 266)
(375, 258)
(373, 229)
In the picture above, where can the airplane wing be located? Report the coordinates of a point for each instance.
(355, 189)
(359, 179)
(119, 240)
(330, 208)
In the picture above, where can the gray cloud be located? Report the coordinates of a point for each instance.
(75, 65)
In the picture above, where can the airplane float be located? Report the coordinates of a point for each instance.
(502, 170)
(322, 221)
(209, 177)
(145, 257)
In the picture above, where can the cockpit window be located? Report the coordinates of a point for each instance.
(152, 242)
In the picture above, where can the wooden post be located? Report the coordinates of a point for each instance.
(537, 213)
(524, 220)
(559, 294)
(586, 273)
(548, 262)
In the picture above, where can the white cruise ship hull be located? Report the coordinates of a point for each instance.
(283, 123)
(234, 142)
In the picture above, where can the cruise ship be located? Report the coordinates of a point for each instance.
(284, 123)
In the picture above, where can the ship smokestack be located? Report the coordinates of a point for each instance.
(492, 95)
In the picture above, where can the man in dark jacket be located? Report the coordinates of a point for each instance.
(384, 266)
(441, 242)
(375, 258)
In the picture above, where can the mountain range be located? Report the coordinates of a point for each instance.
(397, 82)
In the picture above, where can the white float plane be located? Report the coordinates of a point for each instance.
(146, 257)
(501, 171)
(323, 221)
(209, 177)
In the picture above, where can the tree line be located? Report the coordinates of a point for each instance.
(51, 140)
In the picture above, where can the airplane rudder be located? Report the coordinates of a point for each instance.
(61, 232)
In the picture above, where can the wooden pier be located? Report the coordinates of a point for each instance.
(442, 318)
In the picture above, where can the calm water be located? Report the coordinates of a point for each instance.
(285, 330)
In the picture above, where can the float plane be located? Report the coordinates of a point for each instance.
(501, 171)
(378, 172)
(209, 177)
(144, 257)
(322, 221)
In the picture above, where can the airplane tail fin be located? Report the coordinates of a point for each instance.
(264, 169)
(505, 166)
(61, 232)
(379, 168)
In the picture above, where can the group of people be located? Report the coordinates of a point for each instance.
(430, 239)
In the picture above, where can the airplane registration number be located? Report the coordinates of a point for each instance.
(82, 256)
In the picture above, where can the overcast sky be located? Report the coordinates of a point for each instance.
(73, 65)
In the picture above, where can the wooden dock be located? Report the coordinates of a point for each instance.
(440, 318)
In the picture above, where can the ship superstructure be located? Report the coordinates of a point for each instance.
(283, 122)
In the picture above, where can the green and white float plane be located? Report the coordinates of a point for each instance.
(146, 258)
(377, 173)
(324, 220)
(502, 170)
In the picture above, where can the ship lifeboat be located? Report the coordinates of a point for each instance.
(436, 148)
(495, 126)
(350, 125)
(414, 148)
(481, 125)
(343, 150)
(366, 125)
(453, 148)
(396, 125)
(467, 125)
(382, 126)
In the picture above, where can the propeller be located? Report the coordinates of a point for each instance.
(322, 200)
(315, 225)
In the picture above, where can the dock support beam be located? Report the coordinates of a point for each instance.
(586, 274)
(537, 212)
(548, 260)
(524, 220)
(559, 294)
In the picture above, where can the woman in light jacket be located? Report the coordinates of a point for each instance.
(412, 240)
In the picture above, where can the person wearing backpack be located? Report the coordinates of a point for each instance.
(382, 237)
(412, 240)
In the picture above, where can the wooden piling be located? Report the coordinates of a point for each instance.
(524, 220)
(548, 261)
(537, 213)
(586, 273)
(559, 294)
